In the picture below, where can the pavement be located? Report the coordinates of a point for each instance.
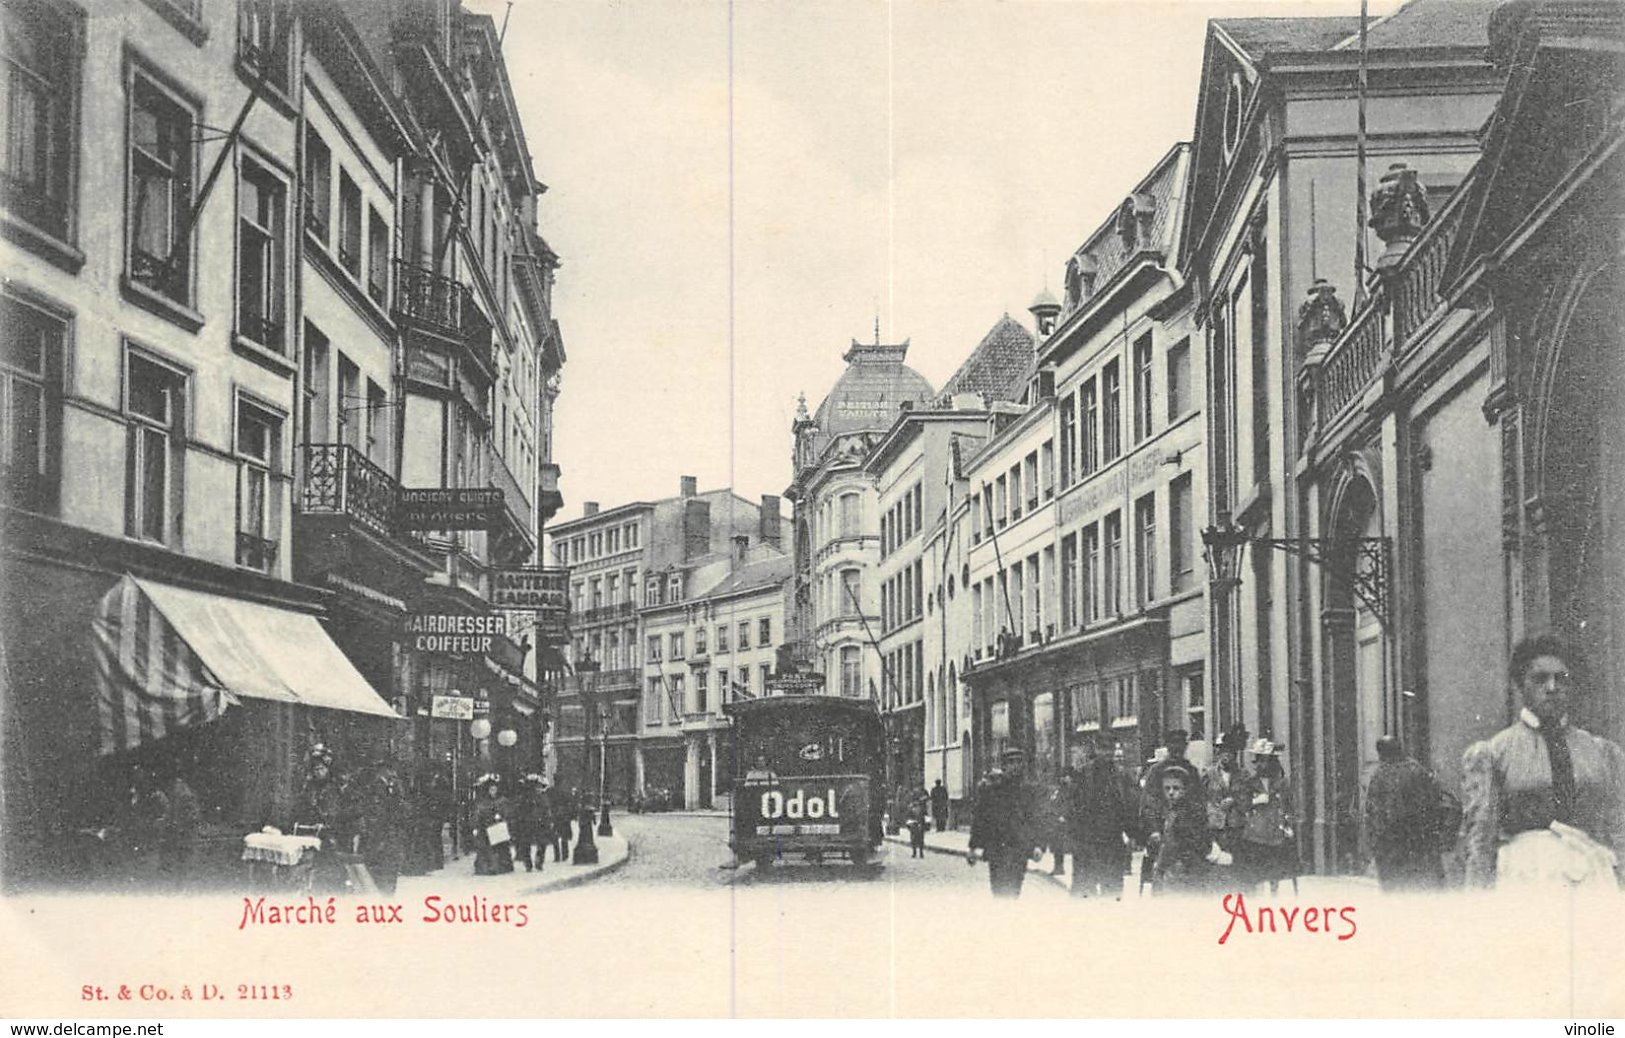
(957, 842)
(613, 854)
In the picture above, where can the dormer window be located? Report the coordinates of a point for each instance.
(1080, 280)
(1127, 225)
(1233, 98)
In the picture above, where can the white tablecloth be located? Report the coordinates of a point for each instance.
(277, 848)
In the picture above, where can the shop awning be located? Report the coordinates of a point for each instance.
(169, 658)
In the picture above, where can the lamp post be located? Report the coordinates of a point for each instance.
(586, 851)
(604, 828)
(1223, 545)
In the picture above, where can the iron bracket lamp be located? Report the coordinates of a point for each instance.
(1363, 563)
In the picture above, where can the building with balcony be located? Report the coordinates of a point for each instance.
(1085, 605)
(1273, 202)
(1469, 413)
(834, 610)
(218, 385)
(716, 644)
(624, 561)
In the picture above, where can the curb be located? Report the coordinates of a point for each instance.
(585, 877)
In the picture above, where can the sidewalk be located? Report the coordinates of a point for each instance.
(613, 852)
(957, 842)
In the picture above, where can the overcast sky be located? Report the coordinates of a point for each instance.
(739, 191)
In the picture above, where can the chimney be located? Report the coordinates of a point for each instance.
(589, 509)
(689, 486)
(696, 528)
(769, 527)
(741, 546)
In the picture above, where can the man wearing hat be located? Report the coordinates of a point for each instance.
(1404, 826)
(1170, 757)
(1005, 825)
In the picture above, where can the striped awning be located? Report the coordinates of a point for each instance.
(169, 658)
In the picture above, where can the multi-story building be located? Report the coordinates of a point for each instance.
(624, 562)
(716, 644)
(835, 598)
(1473, 406)
(1085, 605)
(913, 467)
(1274, 203)
(212, 393)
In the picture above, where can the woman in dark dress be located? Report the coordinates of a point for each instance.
(493, 840)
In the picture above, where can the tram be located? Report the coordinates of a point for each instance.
(809, 779)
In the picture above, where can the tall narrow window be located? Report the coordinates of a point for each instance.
(318, 184)
(319, 393)
(39, 49)
(377, 257)
(1069, 438)
(161, 132)
(1046, 468)
(1069, 582)
(1181, 551)
(1142, 387)
(155, 405)
(1145, 550)
(1111, 419)
(1112, 565)
(764, 632)
(349, 224)
(258, 454)
(744, 636)
(1029, 477)
(851, 515)
(1015, 492)
(261, 42)
(31, 344)
(1088, 431)
(1090, 553)
(851, 672)
(261, 252)
(377, 424)
(1001, 516)
(702, 698)
(1179, 380)
(350, 410)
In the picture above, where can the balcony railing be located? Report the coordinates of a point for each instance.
(1416, 292)
(339, 480)
(1353, 361)
(598, 614)
(445, 306)
(518, 502)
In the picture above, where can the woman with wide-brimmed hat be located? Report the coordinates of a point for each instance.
(1269, 845)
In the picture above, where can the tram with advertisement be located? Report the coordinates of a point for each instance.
(809, 779)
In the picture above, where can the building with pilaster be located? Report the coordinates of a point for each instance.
(1274, 204)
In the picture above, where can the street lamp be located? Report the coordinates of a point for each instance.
(1222, 546)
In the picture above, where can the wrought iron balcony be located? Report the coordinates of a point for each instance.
(444, 307)
(339, 480)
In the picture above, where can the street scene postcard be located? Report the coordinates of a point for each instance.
(878, 508)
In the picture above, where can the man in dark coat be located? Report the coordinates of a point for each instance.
(533, 823)
(1005, 829)
(1100, 818)
(180, 836)
(383, 826)
(939, 805)
(1403, 820)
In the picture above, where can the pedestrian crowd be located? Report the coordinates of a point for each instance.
(1543, 804)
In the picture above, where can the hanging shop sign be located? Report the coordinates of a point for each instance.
(543, 590)
(448, 634)
(456, 708)
(450, 508)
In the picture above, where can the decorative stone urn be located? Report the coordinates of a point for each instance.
(1399, 211)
